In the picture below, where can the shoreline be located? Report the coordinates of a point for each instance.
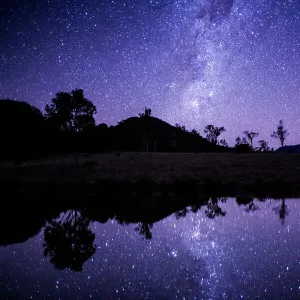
(219, 174)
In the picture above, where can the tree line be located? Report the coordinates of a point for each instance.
(68, 125)
(212, 134)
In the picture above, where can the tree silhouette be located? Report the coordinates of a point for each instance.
(181, 213)
(69, 242)
(242, 146)
(250, 135)
(281, 133)
(147, 129)
(249, 201)
(282, 211)
(239, 141)
(223, 143)
(263, 146)
(71, 112)
(146, 113)
(212, 133)
(252, 206)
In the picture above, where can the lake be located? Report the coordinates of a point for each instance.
(220, 248)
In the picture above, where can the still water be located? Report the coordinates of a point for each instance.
(221, 249)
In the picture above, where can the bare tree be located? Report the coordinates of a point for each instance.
(241, 141)
(238, 141)
(281, 133)
(250, 135)
(263, 146)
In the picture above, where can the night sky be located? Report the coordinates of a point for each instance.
(232, 63)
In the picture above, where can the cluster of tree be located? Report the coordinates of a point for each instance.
(68, 125)
(245, 143)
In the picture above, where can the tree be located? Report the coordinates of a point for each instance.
(242, 146)
(281, 133)
(148, 131)
(146, 113)
(238, 141)
(71, 112)
(263, 146)
(250, 135)
(223, 143)
(212, 133)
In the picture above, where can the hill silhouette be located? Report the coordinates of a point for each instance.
(289, 149)
(151, 134)
(22, 129)
(27, 133)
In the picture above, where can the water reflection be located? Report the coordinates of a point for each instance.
(213, 209)
(282, 210)
(205, 244)
(68, 241)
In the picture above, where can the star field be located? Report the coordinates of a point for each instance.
(243, 255)
(232, 63)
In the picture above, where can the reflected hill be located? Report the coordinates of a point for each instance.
(19, 222)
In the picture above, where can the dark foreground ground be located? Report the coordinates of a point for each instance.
(222, 174)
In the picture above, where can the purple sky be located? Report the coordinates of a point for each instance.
(232, 63)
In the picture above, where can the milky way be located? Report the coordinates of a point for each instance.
(230, 63)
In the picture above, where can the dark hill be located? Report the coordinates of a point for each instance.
(22, 127)
(289, 149)
(25, 133)
(152, 134)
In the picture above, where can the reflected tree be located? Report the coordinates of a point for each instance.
(68, 241)
(249, 201)
(181, 213)
(282, 211)
(213, 209)
(196, 207)
(145, 230)
(252, 206)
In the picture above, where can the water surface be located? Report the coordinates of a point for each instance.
(221, 249)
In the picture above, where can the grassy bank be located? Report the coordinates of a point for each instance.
(214, 171)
